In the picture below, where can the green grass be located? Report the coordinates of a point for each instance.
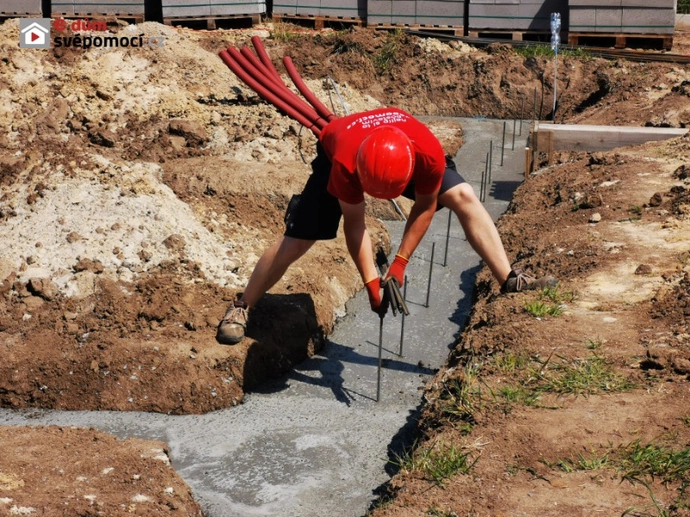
(683, 6)
(593, 344)
(545, 50)
(584, 377)
(518, 395)
(435, 512)
(436, 464)
(461, 397)
(284, 32)
(638, 461)
(387, 55)
(509, 362)
(540, 309)
(549, 302)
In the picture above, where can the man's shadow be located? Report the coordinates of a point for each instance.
(290, 346)
(285, 331)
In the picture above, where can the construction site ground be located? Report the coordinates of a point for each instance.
(139, 188)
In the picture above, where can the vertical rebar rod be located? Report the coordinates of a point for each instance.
(512, 148)
(402, 324)
(481, 185)
(522, 113)
(378, 373)
(445, 254)
(503, 142)
(431, 269)
(491, 159)
(534, 110)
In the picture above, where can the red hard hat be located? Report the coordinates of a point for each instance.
(385, 161)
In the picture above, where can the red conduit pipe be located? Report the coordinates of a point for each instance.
(266, 94)
(251, 57)
(304, 90)
(283, 92)
(263, 55)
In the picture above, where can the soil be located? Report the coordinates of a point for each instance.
(139, 188)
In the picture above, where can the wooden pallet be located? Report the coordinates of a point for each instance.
(318, 22)
(108, 18)
(231, 21)
(619, 40)
(510, 35)
(439, 29)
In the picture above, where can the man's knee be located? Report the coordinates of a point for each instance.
(459, 197)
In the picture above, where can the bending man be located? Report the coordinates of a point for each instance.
(384, 153)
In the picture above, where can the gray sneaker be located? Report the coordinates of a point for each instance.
(519, 281)
(233, 325)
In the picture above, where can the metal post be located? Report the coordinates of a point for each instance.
(445, 255)
(512, 148)
(503, 142)
(555, 85)
(522, 113)
(534, 109)
(402, 324)
(431, 268)
(378, 374)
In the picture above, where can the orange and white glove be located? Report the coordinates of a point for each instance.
(397, 269)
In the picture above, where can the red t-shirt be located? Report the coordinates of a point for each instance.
(342, 137)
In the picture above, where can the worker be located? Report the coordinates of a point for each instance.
(384, 153)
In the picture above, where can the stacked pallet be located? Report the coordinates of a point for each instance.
(622, 19)
(518, 16)
(85, 9)
(208, 11)
(420, 13)
(20, 8)
(354, 10)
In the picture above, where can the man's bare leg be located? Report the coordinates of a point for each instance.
(479, 228)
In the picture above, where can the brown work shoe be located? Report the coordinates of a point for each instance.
(519, 281)
(231, 328)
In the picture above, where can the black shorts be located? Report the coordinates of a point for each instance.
(315, 214)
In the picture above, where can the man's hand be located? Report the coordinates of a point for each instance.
(397, 269)
(378, 303)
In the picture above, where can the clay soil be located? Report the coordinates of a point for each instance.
(140, 186)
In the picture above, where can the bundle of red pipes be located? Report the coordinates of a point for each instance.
(259, 74)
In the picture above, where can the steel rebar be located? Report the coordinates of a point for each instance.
(503, 142)
(445, 254)
(402, 324)
(431, 269)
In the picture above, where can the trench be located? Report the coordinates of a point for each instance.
(316, 441)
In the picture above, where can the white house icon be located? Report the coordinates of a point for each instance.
(35, 34)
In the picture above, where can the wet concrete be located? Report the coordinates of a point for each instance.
(316, 442)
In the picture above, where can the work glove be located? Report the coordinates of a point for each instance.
(378, 303)
(397, 269)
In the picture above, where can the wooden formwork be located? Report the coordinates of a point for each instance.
(547, 138)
